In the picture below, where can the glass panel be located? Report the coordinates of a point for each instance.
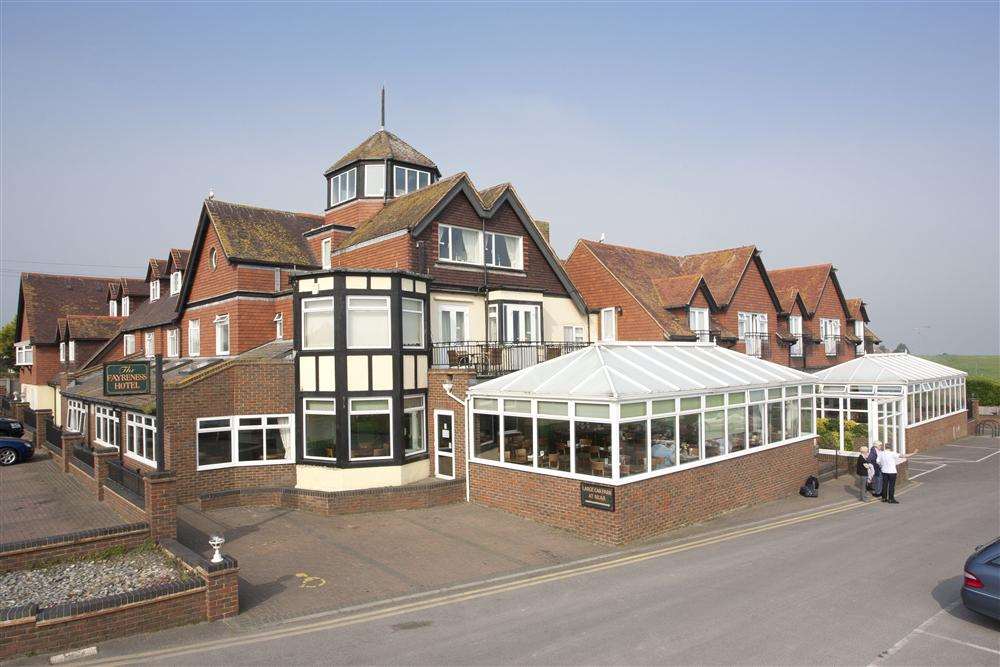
(317, 317)
(693, 403)
(690, 433)
(756, 425)
(737, 419)
(251, 445)
(413, 402)
(485, 404)
(773, 394)
(486, 436)
(774, 424)
(791, 419)
(413, 428)
(278, 442)
(633, 410)
(522, 407)
(424, 179)
(715, 401)
(518, 440)
(715, 432)
(553, 408)
(413, 322)
(593, 449)
(370, 404)
(663, 432)
(808, 425)
(737, 398)
(593, 410)
(632, 448)
(553, 444)
(664, 407)
(214, 423)
(321, 434)
(368, 323)
(756, 395)
(370, 434)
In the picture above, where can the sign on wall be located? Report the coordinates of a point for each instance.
(597, 496)
(125, 378)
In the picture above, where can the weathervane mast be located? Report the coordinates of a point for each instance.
(383, 108)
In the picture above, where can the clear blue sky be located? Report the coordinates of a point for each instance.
(862, 134)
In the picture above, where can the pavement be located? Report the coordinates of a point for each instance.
(39, 500)
(823, 581)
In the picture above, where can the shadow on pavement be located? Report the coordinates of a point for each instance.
(948, 591)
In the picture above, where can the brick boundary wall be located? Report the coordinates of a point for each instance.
(933, 434)
(32, 553)
(330, 503)
(652, 506)
(211, 595)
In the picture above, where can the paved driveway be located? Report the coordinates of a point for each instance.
(38, 500)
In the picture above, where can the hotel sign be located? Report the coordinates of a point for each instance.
(597, 496)
(125, 378)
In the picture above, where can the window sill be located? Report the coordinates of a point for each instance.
(140, 459)
(244, 464)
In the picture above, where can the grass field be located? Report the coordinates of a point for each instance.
(984, 365)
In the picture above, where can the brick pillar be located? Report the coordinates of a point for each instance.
(18, 409)
(460, 379)
(161, 504)
(973, 405)
(101, 458)
(69, 441)
(222, 595)
(40, 417)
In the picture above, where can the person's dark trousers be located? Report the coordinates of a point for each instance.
(862, 491)
(889, 487)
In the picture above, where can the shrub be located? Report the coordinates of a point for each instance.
(985, 389)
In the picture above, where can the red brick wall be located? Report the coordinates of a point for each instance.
(353, 213)
(752, 296)
(239, 388)
(206, 281)
(438, 400)
(600, 290)
(829, 307)
(394, 253)
(251, 323)
(652, 506)
(936, 433)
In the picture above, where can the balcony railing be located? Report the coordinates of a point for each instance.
(832, 345)
(757, 345)
(493, 359)
(703, 335)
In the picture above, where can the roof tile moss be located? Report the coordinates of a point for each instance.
(264, 235)
(383, 145)
(807, 280)
(91, 327)
(48, 297)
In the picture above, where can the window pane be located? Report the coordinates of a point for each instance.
(714, 401)
(553, 444)
(693, 403)
(808, 426)
(756, 425)
(518, 440)
(374, 180)
(411, 180)
(756, 395)
(213, 448)
(369, 405)
(251, 445)
(413, 322)
(737, 428)
(321, 434)
(413, 430)
(737, 398)
(690, 433)
(632, 448)
(444, 243)
(663, 432)
(400, 180)
(594, 410)
(664, 407)
(368, 328)
(278, 443)
(485, 403)
(714, 433)
(633, 410)
(425, 179)
(791, 419)
(511, 405)
(486, 436)
(553, 408)
(774, 426)
(370, 435)
(593, 449)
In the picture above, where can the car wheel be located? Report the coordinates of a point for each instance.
(7, 456)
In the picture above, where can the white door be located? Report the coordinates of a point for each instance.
(795, 329)
(859, 332)
(453, 336)
(698, 320)
(521, 324)
(444, 444)
(753, 331)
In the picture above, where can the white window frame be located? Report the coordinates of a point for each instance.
(173, 343)
(234, 439)
(175, 282)
(699, 323)
(420, 311)
(423, 422)
(326, 252)
(62, 351)
(378, 169)
(140, 425)
(859, 332)
(149, 344)
(609, 316)
(213, 259)
(354, 309)
(24, 354)
(72, 350)
(318, 305)
(795, 329)
(405, 190)
(128, 344)
(573, 333)
(489, 243)
(829, 330)
(392, 435)
(113, 308)
(106, 422)
(154, 290)
(222, 321)
(305, 431)
(126, 306)
(478, 247)
(348, 182)
(279, 327)
(755, 324)
(76, 416)
(194, 338)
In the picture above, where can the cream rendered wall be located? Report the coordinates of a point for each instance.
(477, 313)
(39, 396)
(322, 478)
(558, 312)
(513, 295)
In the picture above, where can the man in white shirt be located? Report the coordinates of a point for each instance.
(888, 460)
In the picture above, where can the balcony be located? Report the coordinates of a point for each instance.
(832, 345)
(757, 345)
(704, 335)
(493, 359)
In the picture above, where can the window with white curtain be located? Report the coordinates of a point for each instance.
(279, 327)
(128, 344)
(147, 344)
(222, 335)
(413, 323)
(245, 440)
(126, 306)
(317, 323)
(113, 308)
(194, 338)
(504, 251)
(175, 282)
(72, 350)
(154, 290)
(173, 343)
(76, 416)
(368, 322)
(609, 325)
(460, 244)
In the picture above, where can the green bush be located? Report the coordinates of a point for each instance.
(985, 389)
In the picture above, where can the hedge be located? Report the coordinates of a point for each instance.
(985, 389)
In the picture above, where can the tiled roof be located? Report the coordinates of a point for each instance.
(91, 327)
(48, 297)
(491, 194)
(857, 310)
(133, 287)
(808, 280)
(179, 258)
(384, 145)
(157, 269)
(871, 336)
(677, 291)
(786, 297)
(722, 269)
(153, 314)
(264, 235)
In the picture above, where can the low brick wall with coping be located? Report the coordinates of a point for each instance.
(80, 544)
(329, 503)
(212, 593)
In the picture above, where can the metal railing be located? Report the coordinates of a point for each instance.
(53, 434)
(832, 345)
(6, 406)
(703, 335)
(127, 483)
(757, 345)
(28, 418)
(492, 359)
(797, 350)
(83, 458)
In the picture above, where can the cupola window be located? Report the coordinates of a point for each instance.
(343, 187)
(409, 180)
(374, 180)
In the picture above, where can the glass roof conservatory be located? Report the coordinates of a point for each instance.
(623, 412)
(879, 396)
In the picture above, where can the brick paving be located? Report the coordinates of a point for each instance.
(37, 500)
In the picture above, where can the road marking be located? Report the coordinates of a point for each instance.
(927, 471)
(486, 591)
(914, 632)
(959, 641)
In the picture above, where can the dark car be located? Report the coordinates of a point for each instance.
(981, 589)
(13, 450)
(11, 427)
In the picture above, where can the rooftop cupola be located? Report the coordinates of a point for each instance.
(383, 166)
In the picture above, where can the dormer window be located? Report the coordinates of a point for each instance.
(343, 187)
(406, 180)
(154, 290)
(62, 352)
(175, 282)
(113, 308)
(374, 180)
(459, 244)
(327, 251)
(125, 306)
(504, 251)
(72, 350)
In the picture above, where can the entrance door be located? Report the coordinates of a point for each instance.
(444, 444)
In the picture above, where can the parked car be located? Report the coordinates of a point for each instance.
(981, 589)
(11, 427)
(14, 450)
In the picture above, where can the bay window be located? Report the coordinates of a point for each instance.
(408, 180)
(370, 428)
(460, 244)
(317, 323)
(140, 437)
(343, 187)
(244, 440)
(414, 425)
(319, 435)
(413, 323)
(368, 322)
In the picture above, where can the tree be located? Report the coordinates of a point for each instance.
(7, 334)
(902, 347)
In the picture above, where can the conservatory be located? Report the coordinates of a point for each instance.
(618, 413)
(888, 397)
